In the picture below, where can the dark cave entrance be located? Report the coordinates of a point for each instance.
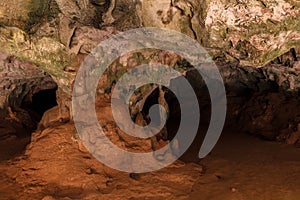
(37, 104)
(40, 103)
(24, 115)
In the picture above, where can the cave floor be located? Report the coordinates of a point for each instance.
(240, 167)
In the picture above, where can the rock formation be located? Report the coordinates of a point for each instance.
(56, 35)
(255, 45)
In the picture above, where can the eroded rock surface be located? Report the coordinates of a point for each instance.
(20, 81)
(41, 36)
(252, 32)
(53, 34)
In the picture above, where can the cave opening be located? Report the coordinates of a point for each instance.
(40, 103)
(24, 114)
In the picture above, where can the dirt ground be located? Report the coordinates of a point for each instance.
(239, 167)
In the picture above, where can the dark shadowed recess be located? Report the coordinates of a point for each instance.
(16, 132)
(41, 102)
(256, 105)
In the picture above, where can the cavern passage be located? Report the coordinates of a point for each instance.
(255, 46)
(27, 92)
(41, 102)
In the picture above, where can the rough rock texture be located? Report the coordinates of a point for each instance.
(23, 14)
(262, 101)
(29, 13)
(252, 32)
(19, 82)
(244, 33)
(56, 36)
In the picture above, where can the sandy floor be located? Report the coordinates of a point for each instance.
(244, 167)
(240, 167)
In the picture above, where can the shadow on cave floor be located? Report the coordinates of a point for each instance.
(13, 146)
(242, 166)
